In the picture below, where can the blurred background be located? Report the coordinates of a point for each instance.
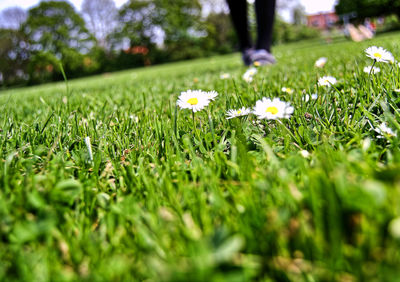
(98, 36)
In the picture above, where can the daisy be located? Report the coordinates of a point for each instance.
(211, 95)
(394, 228)
(134, 118)
(379, 54)
(307, 97)
(287, 90)
(195, 100)
(225, 76)
(305, 154)
(237, 113)
(248, 75)
(391, 59)
(370, 69)
(248, 79)
(272, 109)
(320, 63)
(384, 129)
(326, 81)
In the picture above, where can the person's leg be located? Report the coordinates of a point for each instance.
(265, 13)
(238, 10)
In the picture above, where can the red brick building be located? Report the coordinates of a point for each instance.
(322, 20)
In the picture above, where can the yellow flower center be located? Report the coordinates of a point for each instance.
(272, 110)
(377, 55)
(193, 101)
(239, 112)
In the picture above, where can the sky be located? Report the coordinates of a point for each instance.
(29, 3)
(315, 6)
(311, 6)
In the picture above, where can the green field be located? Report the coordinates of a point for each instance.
(169, 198)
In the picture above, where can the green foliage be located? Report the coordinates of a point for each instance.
(14, 54)
(57, 34)
(221, 37)
(54, 26)
(180, 21)
(224, 200)
(100, 17)
(285, 32)
(391, 23)
(138, 20)
(43, 66)
(368, 8)
(76, 64)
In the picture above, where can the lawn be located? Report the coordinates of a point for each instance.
(105, 178)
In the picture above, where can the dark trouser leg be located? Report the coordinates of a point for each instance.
(238, 9)
(265, 13)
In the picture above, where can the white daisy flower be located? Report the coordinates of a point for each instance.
(394, 228)
(211, 95)
(391, 59)
(374, 69)
(287, 90)
(379, 54)
(194, 100)
(307, 97)
(248, 79)
(134, 118)
(326, 81)
(248, 75)
(237, 113)
(384, 129)
(272, 109)
(225, 76)
(397, 90)
(320, 63)
(305, 154)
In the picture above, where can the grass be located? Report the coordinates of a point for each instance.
(163, 201)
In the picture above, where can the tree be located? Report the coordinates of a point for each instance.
(214, 7)
(12, 18)
(56, 30)
(179, 21)
(182, 26)
(299, 15)
(220, 33)
(14, 54)
(138, 21)
(43, 67)
(54, 26)
(101, 17)
(282, 5)
(368, 8)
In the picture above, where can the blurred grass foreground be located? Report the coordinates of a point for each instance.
(105, 178)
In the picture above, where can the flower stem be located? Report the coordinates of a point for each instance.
(194, 123)
(212, 128)
(372, 68)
